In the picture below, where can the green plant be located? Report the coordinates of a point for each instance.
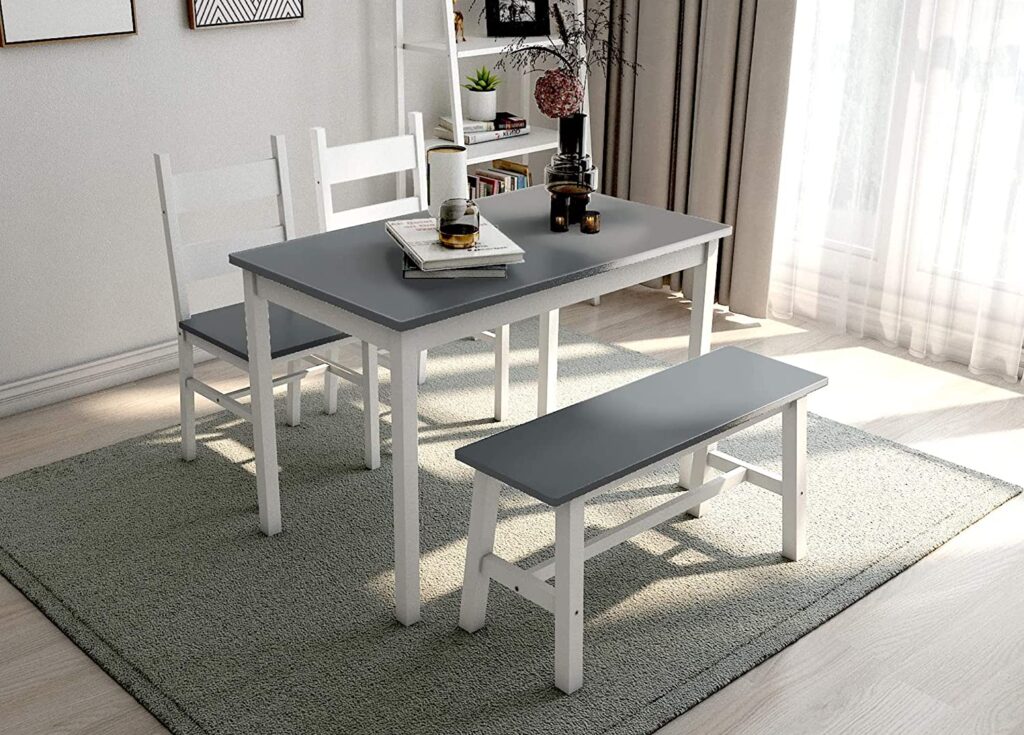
(482, 81)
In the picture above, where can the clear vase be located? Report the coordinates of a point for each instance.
(571, 173)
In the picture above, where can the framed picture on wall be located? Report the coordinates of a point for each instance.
(215, 13)
(518, 18)
(28, 21)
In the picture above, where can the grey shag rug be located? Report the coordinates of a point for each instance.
(156, 568)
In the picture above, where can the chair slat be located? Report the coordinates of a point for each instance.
(372, 213)
(204, 190)
(372, 158)
(209, 259)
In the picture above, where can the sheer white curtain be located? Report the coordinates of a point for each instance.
(901, 207)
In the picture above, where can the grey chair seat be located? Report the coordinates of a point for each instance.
(290, 333)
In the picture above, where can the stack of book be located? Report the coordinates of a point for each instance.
(425, 257)
(505, 125)
(502, 176)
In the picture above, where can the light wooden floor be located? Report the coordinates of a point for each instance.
(940, 649)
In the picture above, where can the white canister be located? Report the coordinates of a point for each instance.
(447, 176)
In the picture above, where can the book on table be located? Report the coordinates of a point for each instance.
(418, 239)
(412, 271)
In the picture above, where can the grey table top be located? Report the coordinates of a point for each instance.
(587, 445)
(360, 269)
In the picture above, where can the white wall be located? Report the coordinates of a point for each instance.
(83, 272)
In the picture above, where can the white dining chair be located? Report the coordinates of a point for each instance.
(295, 339)
(395, 155)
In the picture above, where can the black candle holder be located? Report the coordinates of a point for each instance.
(578, 204)
(591, 222)
(559, 213)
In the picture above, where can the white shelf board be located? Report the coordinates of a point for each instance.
(538, 139)
(478, 46)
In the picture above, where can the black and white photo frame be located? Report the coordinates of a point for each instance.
(217, 13)
(518, 18)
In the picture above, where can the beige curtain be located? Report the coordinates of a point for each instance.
(699, 129)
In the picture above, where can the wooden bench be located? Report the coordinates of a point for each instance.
(568, 456)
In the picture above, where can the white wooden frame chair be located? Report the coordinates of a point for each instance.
(221, 332)
(396, 155)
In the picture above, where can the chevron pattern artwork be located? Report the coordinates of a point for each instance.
(209, 13)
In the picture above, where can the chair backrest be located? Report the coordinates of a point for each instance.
(213, 189)
(358, 161)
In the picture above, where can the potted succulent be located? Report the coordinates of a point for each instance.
(482, 95)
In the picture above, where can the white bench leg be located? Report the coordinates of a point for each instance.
(693, 472)
(330, 388)
(293, 406)
(501, 357)
(794, 479)
(186, 367)
(483, 520)
(371, 407)
(421, 377)
(569, 558)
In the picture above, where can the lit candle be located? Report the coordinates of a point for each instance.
(559, 213)
(591, 222)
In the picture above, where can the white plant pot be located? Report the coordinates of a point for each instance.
(482, 105)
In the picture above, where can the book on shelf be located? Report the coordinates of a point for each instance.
(412, 271)
(503, 121)
(501, 177)
(521, 169)
(418, 238)
(485, 136)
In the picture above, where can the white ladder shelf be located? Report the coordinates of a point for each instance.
(539, 138)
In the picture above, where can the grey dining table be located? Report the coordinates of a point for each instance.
(351, 280)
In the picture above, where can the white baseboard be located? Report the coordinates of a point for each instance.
(60, 385)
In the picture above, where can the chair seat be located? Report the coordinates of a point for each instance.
(290, 333)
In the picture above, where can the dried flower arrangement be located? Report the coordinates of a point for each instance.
(588, 43)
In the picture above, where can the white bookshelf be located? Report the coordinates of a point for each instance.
(436, 45)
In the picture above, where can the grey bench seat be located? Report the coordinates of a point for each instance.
(566, 457)
(582, 447)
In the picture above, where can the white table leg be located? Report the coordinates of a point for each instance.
(794, 479)
(547, 384)
(693, 466)
(371, 408)
(703, 302)
(404, 376)
(257, 326)
(501, 356)
(569, 560)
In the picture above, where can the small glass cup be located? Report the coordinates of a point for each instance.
(590, 224)
(458, 224)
